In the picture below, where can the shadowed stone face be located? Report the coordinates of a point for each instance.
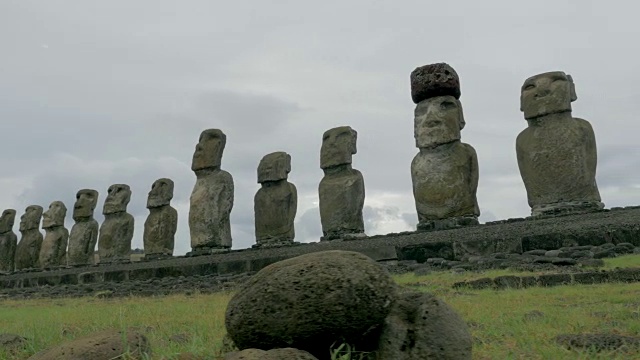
(273, 167)
(161, 193)
(7, 220)
(31, 217)
(86, 202)
(209, 150)
(55, 215)
(118, 197)
(547, 93)
(438, 121)
(338, 146)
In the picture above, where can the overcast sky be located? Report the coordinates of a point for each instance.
(94, 93)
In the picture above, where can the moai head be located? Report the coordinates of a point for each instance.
(338, 146)
(31, 217)
(437, 120)
(7, 219)
(273, 167)
(86, 202)
(547, 93)
(118, 197)
(161, 193)
(209, 150)
(55, 215)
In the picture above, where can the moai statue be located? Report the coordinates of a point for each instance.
(212, 196)
(84, 233)
(8, 241)
(445, 171)
(341, 190)
(28, 250)
(54, 247)
(162, 222)
(556, 153)
(116, 232)
(276, 202)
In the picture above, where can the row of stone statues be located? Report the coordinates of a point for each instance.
(556, 156)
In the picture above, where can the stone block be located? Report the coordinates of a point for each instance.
(258, 264)
(234, 267)
(116, 276)
(380, 253)
(554, 279)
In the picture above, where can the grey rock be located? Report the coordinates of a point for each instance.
(556, 153)
(162, 223)
(116, 232)
(276, 202)
(564, 261)
(624, 248)
(11, 341)
(84, 233)
(433, 80)
(8, 241)
(54, 246)
(341, 190)
(273, 354)
(598, 342)
(421, 326)
(211, 200)
(552, 253)
(535, 252)
(28, 249)
(608, 253)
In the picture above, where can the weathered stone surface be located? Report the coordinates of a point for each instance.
(433, 80)
(162, 222)
(11, 341)
(276, 202)
(84, 233)
(311, 301)
(54, 246)
(211, 200)
(28, 249)
(598, 342)
(116, 232)
(341, 190)
(445, 171)
(8, 241)
(273, 354)
(103, 345)
(421, 326)
(556, 153)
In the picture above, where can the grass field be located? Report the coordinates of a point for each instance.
(506, 324)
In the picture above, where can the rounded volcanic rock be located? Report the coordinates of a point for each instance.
(311, 302)
(434, 80)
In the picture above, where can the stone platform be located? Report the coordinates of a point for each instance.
(618, 225)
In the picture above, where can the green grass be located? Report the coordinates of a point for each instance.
(497, 318)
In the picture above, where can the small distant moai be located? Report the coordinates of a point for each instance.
(8, 241)
(54, 247)
(445, 171)
(162, 222)
(212, 196)
(84, 233)
(28, 250)
(341, 190)
(276, 202)
(556, 153)
(116, 232)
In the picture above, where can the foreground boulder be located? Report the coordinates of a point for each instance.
(311, 302)
(274, 354)
(103, 345)
(420, 326)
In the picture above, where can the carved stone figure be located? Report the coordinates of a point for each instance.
(341, 190)
(556, 153)
(445, 171)
(116, 232)
(162, 222)
(8, 241)
(84, 233)
(54, 247)
(276, 202)
(212, 196)
(28, 250)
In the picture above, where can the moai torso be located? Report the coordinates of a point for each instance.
(8, 241)
(84, 233)
(445, 171)
(54, 246)
(162, 222)
(556, 154)
(116, 232)
(28, 249)
(212, 196)
(276, 202)
(341, 190)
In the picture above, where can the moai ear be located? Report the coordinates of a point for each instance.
(572, 88)
(354, 147)
(288, 163)
(461, 121)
